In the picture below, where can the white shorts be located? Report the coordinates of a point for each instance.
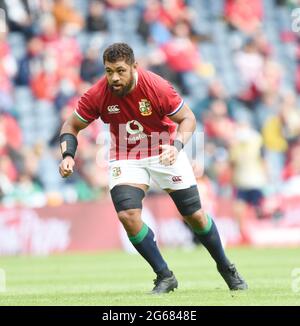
(180, 175)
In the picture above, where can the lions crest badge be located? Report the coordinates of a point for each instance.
(116, 172)
(145, 107)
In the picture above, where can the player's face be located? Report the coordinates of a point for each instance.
(120, 77)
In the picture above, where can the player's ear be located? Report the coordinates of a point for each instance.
(135, 65)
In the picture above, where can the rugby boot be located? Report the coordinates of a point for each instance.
(164, 284)
(232, 278)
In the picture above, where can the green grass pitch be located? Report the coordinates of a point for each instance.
(118, 278)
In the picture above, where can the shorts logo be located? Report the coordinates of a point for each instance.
(116, 172)
(177, 178)
(113, 109)
(145, 107)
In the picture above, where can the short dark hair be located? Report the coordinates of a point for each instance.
(119, 51)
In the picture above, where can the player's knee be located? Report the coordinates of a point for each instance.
(129, 217)
(127, 198)
(198, 218)
(187, 200)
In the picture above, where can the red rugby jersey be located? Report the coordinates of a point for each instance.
(138, 121)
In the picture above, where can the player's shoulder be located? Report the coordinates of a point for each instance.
(155, 86)
(97, 91)
(151, 79)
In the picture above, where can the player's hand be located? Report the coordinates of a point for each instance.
(198, 169)
(66, 166)
(169, 155)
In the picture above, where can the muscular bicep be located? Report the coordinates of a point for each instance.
(73, 125)
(184, 113)
(186, 123)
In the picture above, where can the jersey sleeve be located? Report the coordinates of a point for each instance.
(171, 101)
(86, 110)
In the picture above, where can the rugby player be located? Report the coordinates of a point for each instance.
(149, 124)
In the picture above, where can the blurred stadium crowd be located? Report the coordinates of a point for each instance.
(236, 63)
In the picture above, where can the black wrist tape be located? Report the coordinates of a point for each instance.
(178, 144)
(68, 144)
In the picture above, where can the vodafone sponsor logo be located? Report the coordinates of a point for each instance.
(135, 130)
(113, 109)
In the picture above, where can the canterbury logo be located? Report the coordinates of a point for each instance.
(177, 178)
(112, 109)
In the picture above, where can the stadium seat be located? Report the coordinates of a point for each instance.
(17, 43)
